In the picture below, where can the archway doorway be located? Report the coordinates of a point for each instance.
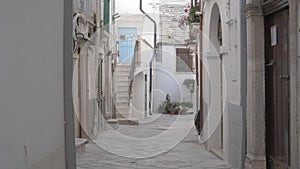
(216, 141)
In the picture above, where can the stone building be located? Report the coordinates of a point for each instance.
(92, 56)
(175, 58)
(272, 84)
(251, 82)
(36, 119)
(169, 13)
(224, 85)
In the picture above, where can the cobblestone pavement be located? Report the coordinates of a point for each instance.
(159, 148)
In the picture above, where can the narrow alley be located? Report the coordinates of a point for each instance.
(188, 153)
(150, 84)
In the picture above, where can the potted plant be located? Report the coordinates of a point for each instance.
(177, 108)
(169, 108)
(194, 14)
(190, 85)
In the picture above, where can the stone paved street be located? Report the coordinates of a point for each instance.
(150, 145)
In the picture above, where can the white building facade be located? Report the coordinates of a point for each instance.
(251, 93)
(175, 61)
(224, 79)
(36, 102)
(93, 64)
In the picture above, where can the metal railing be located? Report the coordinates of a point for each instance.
(134, 63)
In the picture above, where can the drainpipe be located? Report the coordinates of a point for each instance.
(201, 67)
(243, 77)
(154, 53)
(97, 61)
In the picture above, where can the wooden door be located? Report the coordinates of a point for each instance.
(277, 90)
(126, 45)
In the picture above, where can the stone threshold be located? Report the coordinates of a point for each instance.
(218, 153)
(80, 144)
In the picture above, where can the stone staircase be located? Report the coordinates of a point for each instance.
(121, 86)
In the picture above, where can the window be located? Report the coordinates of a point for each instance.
(184, 61)
(159, 52)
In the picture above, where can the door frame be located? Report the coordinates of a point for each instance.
(271, 7)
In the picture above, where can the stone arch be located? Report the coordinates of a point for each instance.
(215, 31)
(214, 64)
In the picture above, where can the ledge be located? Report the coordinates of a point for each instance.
(80, 146)
(252, 10)
(80, 142)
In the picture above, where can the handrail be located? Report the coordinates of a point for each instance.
(133, 68)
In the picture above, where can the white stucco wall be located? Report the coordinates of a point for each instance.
(229, 101)
(138, 109)
(168, 81)
(31, 72)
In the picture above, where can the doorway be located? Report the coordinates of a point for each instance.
(126, 45)
(277, 90)
(216, 93)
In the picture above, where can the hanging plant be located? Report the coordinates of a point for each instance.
(194, 14)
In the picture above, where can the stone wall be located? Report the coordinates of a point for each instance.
(171, 33)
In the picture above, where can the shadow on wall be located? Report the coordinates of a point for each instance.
(166, 83)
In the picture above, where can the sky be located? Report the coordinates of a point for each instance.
(133, 6)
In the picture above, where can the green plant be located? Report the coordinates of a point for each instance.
(190, 85)
(170, 107)
(187, 104)
(193, 16)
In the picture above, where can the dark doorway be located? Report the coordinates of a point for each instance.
(277, 90)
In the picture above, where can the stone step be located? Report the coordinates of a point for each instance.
(128, 121)
(122, 96)
(114, 123)
(80, 144)
(123, 65)
(122, 74)
(121, 88)
(121, 78)
(122, 103)
(122, 108)
(122, 99)
(123, 69)
(121, 93)
(122, 115)
(122, 83)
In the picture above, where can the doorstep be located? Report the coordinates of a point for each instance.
(80, 144)
(128, 121)
(218, 152)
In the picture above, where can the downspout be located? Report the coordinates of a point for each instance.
(201, 66)
(154, 53)
(98, 62)
(243, 76)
